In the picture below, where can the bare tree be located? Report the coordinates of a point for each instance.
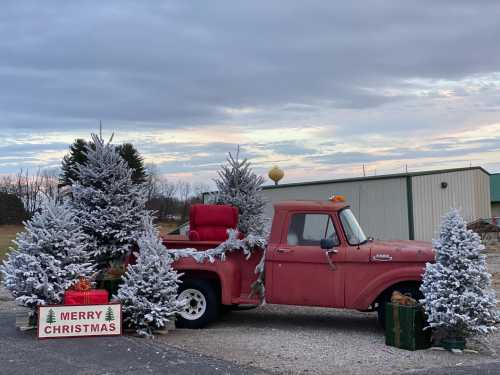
(199, 188)
(184, 193)
(31, 189)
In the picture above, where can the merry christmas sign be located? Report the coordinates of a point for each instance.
(56, 321)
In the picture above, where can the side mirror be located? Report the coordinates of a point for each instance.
(327, 243)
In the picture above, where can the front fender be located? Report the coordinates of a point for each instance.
(374, 288)
(227, 273)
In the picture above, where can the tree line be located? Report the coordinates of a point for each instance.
(22, 194)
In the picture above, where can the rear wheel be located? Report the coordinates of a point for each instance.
(201, 305)
(412, 291)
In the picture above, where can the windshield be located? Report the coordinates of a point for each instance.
(352, 229)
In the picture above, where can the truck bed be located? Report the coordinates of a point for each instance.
(236, 273)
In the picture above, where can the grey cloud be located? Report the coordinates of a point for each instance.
(150, 65)
(23, 149)
(173, 64)
(444, 149)
(285, 148)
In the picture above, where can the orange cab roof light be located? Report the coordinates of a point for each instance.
(337, 198)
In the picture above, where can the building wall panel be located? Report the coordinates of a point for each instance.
(380, 205)
(466, 190)
(482, 190)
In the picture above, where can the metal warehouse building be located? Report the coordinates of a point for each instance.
(495, 194)
(400, 206)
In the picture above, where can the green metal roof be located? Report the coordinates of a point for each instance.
(495, 187)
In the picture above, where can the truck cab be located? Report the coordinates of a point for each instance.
(317, 255)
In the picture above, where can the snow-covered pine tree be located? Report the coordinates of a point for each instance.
(49, 258)
(108, 205)
(239, 186)
(149, 290)
(458, 298)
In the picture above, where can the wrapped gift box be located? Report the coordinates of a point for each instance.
(404, 327)
(90, 297)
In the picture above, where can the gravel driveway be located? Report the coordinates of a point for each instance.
(301, 340)
(305, 340)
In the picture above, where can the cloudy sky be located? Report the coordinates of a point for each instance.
(317, 87)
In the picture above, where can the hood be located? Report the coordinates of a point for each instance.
(401, 251)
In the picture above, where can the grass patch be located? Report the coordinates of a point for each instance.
(166, 227)
(7, 234)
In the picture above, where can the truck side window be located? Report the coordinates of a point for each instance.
(310, 229)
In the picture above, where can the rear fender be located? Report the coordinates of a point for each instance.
(377, 286)
(225, 274)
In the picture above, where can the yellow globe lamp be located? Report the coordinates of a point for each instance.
(276, 174)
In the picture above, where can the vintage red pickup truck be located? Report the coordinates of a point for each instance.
(317, 255)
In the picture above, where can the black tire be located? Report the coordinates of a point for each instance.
(413, 292)
(209, 312)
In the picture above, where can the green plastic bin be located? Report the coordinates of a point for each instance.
(404, 327)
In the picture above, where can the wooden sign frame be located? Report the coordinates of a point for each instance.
(81, 316)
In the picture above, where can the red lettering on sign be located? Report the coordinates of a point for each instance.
(94, 328)
(47, 329)
(98, 313)
(81, 315)
(112, 326)
(74, 315)
(65, 316)
(65, 329)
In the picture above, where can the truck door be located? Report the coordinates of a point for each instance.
(300, 271)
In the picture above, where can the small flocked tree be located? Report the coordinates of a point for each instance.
(50, 257)
(149, 290)
(239, 186)
(458, 298)
(108, 205)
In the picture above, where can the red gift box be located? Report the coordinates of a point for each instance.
(90, 297)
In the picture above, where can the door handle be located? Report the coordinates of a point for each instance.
(327, 254)
(283, 250)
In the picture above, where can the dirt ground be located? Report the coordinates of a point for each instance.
(493, 253)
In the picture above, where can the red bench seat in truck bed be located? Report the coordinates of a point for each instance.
(209, 222)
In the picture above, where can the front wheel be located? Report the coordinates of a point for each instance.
(201, 306)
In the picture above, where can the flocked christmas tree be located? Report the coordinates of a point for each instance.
(458, 298)
(50, 257)
(107, 203)
(239, 186)
(149, 290)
